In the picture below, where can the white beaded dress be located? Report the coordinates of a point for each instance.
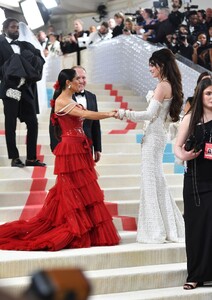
(159, 219)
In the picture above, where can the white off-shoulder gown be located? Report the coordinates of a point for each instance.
(159, 219)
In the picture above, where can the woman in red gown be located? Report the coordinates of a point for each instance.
(74, 214)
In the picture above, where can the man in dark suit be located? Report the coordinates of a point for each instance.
(91, 127)
(21, 66)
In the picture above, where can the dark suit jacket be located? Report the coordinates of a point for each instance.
(118, 30)
(67, 47)
(32, 61)
(162, 29)
(91, 127)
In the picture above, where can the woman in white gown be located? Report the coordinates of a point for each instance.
(159, 218)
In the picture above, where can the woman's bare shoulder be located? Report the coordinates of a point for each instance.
(163, 90)
(63, 103)
(186, 118)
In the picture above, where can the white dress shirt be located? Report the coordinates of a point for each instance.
(81, 100)
(15, 48)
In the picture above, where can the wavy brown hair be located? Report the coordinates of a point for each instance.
(165, 59)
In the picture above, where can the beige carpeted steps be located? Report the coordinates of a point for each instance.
(107, 181)
(129, 271)
(158, 294)
(120, 268)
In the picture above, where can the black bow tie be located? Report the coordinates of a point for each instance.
(80, 94)
(14, 43)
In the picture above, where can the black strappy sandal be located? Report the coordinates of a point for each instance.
(191, 286)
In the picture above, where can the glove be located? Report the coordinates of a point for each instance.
(136, 116)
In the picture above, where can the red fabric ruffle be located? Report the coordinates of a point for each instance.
(74, 214)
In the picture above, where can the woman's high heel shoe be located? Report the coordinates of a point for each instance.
(192, 285)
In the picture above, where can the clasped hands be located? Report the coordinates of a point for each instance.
(118, 114)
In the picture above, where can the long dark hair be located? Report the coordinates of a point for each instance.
(60, 85)
(165, 59)
(65, 74)
(196, 109)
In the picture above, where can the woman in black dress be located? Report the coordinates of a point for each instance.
(197, 193)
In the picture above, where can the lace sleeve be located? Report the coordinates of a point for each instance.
(136, 116)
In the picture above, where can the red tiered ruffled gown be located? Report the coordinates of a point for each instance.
(74, 214)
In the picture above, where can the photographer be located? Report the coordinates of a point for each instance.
(70, 43)
(118, 29)
(162, 28)
(185, 49)
(102, 34)
(202, 53)
(184, 46)
(202, 20)
(172, 42)
(129, 27)
(179, 44)
(176, 17)
(193, 25)
(148, 19)
(66, 44)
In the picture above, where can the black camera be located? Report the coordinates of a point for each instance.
(182, 38)
(191, 143)
(160, 4)
(190, 7)
(136, 16)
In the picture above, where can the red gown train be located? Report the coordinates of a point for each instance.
(74, 214)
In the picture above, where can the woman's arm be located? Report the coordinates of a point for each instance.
(162, 91)
(93, 115)
(179, 147)
(136, 116)
(77, 110)
(195, 54)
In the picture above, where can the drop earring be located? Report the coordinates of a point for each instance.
(69, 87)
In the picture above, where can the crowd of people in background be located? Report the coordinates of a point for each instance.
(187, 32)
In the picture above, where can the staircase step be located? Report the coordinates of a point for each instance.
(43, 139)
(131, 207)
(107, 123)
(16, 286)
(113, 181)
(105, 159)
(126, 193)
(23, 263)
(102, 169)
(123, 279)
(159, 294)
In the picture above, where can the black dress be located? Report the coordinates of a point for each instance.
(197, 195)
